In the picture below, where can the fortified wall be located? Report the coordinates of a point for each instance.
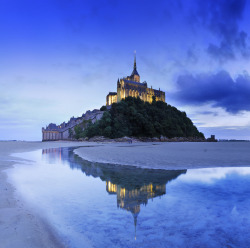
(65, 130)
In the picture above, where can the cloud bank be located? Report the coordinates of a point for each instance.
(222, 18)
(220, 89)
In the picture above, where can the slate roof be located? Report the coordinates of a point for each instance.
(135, 72)
(112, 93)
(133, 82)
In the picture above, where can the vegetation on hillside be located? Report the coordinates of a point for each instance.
(133, 117)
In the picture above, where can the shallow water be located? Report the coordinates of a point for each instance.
(101, 205)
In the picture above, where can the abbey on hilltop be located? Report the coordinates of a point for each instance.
(127, 86)
(131, 86)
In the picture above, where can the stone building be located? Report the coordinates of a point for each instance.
(131, 86)
(65, 131)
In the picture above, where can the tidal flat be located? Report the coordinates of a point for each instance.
(170, 155)
(59, 194)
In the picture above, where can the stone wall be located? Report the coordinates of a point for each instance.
(51, 135)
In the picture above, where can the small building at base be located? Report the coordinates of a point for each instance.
(131, 86)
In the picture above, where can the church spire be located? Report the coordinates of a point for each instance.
(135, 61)
(135, 75)
(135, 222)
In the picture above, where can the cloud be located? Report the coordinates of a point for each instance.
(208, 113)
(222, 18)
(192, 56)
(227, 132)
(3, 102)
(219, 89)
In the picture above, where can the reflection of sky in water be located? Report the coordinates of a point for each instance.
(210, 175)
(101, 206)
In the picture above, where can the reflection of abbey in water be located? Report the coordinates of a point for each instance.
(132, 186)
(131, 199)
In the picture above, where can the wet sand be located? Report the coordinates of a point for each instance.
(170, 155)
(20, 226)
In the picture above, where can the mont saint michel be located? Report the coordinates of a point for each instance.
(102, 147)
(143, 109)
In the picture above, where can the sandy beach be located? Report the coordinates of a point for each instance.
(170, 155)
(20, 226)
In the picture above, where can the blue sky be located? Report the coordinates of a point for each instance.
(60, 58)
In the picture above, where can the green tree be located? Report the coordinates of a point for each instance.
(70, 133)
(134, 117)
(78, 131)
(103, 108)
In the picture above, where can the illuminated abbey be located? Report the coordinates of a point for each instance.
(127, 86)
(131, 86)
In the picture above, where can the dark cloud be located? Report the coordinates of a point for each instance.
(219, 89)
(222, 18)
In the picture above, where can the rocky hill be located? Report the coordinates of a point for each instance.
(133, 117)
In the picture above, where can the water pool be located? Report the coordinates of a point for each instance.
(102, 205)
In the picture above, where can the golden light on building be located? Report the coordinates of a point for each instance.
(111, 98)
(110, 187)
(122, 192)
(131, 86)
(131, 199)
